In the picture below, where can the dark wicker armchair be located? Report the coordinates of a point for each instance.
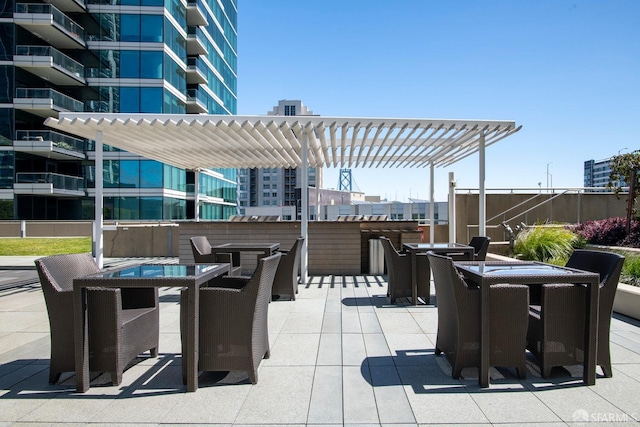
(399, 273)
(481, 246)
(286, 280)
(459, 320)
(202, 254)
(233, 321)
(556, 327)
(121, 323)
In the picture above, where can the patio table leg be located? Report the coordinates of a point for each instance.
(591, 334)
(81, 338)
(192, 338)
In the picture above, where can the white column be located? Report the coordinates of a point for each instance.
(98, 240)
(432, 207)
(452, 207)
(196, 189)
(482, 197)
(304, 196)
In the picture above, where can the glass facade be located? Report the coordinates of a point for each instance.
(130, 56)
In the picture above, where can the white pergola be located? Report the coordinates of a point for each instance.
(196, 142)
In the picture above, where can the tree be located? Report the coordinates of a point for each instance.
(626, 167)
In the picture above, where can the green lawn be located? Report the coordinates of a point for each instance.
(41, 246)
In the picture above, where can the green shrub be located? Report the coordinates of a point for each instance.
(631, 271)
(547, 244)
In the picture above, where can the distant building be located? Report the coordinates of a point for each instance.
(596, 174)
(274, 187)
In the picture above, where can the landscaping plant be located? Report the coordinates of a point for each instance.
(546, 244)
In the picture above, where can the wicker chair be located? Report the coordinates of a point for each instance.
(556, 327)
(201, 249)
(286, 280)
(399, 273)
(233, 321)
(480, 245)
(459, 318)
(122, 323)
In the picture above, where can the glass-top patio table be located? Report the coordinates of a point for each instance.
(464, 251)
(489, 273)
(190, 276)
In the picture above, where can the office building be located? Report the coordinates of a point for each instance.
(596, 174)
(110, 56)
(276, 187)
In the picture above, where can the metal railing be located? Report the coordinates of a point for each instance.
(59, 58)
(59, 140)
(58, 181)
(58, 17)
(197, 63)
(58, 99)
(544, 196)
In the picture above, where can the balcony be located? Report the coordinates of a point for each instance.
(53, 145)
(196, 70)
(50, 24)
(50, 64)
(75, 6)
(48, 184)
(196, 101)
(45, 102)
(196, 14)
(196, 41)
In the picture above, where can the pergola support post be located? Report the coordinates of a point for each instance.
(452, 208)
(98, 223)
(196, 192)
(482, 197)
(432, 207)
(304, 208)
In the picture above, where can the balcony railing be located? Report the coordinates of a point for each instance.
(58, 99)
(98, 107)
(59, 140)
(58, 17)
(59, 58)
(58, 181)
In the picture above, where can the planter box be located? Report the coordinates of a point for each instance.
(627, 301)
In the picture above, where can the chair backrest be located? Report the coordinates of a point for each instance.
(295, 252)
(480, 246)
(58, 271)
(607, 264)
(448, 286)
(201, 248)
(391, 255)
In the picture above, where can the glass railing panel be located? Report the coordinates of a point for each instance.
(59, 100)
(58, 17)
(59, 181)
(196, 32)
(58, 57)
(198, 63)
(59, 140)
(98, 107)
(198, 96)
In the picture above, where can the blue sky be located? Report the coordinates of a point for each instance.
(567, 71)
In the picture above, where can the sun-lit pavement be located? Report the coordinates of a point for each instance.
(340, 354)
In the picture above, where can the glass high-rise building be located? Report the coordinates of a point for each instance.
(110, 56)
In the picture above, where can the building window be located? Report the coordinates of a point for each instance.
(289, 110)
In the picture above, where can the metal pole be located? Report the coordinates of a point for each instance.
(432, 207)
(482, 197)
(196, 191)
(304, 220)
(98, 223)
(452, 208)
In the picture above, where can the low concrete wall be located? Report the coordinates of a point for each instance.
(46, 229)
(142, 240)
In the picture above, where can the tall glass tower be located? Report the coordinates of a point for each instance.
(110, 56)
